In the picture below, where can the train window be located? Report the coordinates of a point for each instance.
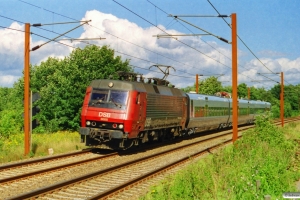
(104, 98)
(99, 95)
(118, 97)
(206, 111)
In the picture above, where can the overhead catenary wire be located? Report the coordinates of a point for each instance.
(41, 29)
(35, 34)
(127, 41)
(116, 51)
(75, 19)
(66, 16)
(241, 39)
(47, 10)
(169, 34)
(105, 32)
(74, 47)
(200, 38)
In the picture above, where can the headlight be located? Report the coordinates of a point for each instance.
(88, 123)
(121, 126)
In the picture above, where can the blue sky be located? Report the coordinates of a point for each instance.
(269, 28)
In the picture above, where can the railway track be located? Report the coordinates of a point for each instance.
(106, 180)
(117, 177)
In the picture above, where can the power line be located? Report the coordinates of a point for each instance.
(36, 35)
(169, 34)
(241, 39)
(201, 39)
(47, 10)
(124, 40)
(41, 29)
(189, 77)
(130, 42)
(12, 29)
(107, 33)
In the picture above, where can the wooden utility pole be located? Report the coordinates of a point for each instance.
(26, 90)
(282, 101)
(248, 93)
(234, 78)
(197, 85)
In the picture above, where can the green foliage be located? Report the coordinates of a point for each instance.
(287, 109)
(61, 84)
(11, 120)
(275, 109)
(4, 92)
(210, 86)
(189, 89)
(227, 89)
(262, 154)
(288, 112)
(242, 90)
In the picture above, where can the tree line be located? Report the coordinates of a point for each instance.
(61, 84)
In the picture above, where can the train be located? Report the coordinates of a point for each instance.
(130, 111)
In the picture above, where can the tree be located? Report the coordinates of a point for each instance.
(189, 89)
(276, 91)
(210, 86)
(11, 120)
(4, 91)
(227, 88)
(61, 84)
(242, 90)
(291, 95)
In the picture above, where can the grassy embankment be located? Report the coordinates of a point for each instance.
(12, 149)
(267, 154)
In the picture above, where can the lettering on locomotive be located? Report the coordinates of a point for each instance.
(104, 114)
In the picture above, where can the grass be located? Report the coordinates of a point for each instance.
(266, 154)
(12, 148)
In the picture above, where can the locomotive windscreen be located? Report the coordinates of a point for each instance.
(104, 98)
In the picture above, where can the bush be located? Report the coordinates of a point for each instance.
(263, 154)
(10, 122)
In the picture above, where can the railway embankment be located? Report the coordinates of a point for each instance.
(264, 162)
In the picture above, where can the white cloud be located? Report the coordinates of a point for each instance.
(7, 80)
(12, 53)
(186, 55)
(10, 45)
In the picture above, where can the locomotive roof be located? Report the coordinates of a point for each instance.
(195, 96)
(138, 86)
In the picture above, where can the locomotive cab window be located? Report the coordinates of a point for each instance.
(104, 98)
(99, 95)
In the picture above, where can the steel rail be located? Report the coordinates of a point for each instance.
(58, 186)
(23, 163)
(60, 167)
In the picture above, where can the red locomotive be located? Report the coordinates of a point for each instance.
(117, 114)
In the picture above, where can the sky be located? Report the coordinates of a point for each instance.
(268, 40)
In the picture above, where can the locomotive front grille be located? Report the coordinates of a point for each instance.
(104, 134)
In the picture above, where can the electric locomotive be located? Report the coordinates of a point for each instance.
(117, 114)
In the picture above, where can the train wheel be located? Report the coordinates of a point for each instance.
(126, 144)
(191, 131)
